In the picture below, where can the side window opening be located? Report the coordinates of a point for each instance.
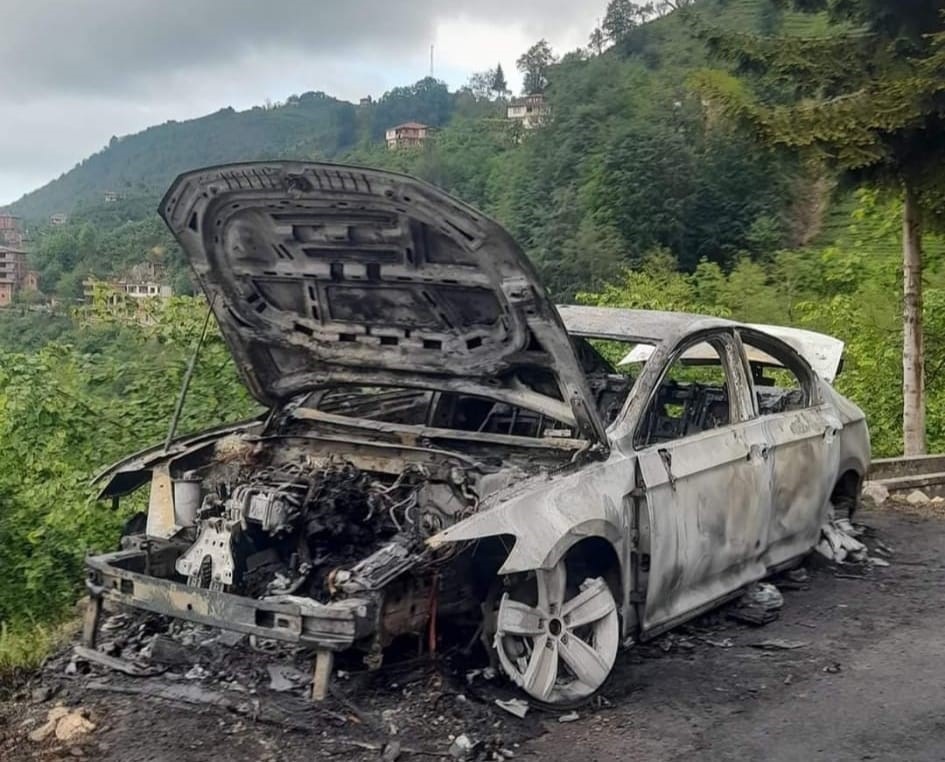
(692, 397)
(781, 383)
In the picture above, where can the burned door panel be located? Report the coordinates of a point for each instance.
(707, 515)
(706, 480)
(804, 460)
(800, 432)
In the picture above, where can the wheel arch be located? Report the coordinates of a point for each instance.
(545, 524)
(527, 555)
(845, 493)
(597, 556)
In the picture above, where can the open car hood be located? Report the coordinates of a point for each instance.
(322, 274)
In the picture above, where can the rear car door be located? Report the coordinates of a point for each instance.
(800, 431)
(701, 463)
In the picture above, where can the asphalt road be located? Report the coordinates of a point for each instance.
(881, 640)
(863, 680)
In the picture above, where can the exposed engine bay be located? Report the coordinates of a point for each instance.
(325, 508)
(287, 520)
(319, 528)
(311, 526)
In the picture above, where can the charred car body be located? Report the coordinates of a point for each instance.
(443, 442)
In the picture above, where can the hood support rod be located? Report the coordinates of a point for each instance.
(185, 385)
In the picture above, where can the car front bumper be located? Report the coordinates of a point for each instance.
(143, 578)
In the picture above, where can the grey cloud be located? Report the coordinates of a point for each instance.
(98, 46)
(543, 18)
(79, 71)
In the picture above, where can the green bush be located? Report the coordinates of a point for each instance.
(68, 410)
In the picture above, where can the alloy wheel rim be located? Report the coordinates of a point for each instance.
(562, 648)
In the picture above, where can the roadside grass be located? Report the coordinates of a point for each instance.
(23, 647)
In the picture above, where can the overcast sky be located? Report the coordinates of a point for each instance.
(76, 72)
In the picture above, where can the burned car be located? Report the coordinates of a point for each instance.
(444, 444)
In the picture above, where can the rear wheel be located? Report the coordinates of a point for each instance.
(558, 641)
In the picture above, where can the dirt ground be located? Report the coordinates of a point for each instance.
(854, 669)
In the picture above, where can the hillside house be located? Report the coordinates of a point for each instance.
(59, 219)
(406, 135)
(143, 281)
(531, 110)
(14, 274)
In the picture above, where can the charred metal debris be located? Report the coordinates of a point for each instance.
(292, 530)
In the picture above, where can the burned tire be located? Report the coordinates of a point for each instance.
(558, 641)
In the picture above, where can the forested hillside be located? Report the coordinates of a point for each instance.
(628, 160)
(312, 124)
(634, 192)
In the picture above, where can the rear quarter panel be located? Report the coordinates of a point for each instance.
(855, 449)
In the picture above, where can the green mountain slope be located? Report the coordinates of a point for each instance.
(312, 125)
(145, 163)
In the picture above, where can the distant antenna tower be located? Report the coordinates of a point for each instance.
(431, 60)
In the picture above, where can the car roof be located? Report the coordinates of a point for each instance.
(823, 353)
(649, 326)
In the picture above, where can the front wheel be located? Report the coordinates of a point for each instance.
(558, 643)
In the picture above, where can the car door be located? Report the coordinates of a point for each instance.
(707, 488)
(800, 432)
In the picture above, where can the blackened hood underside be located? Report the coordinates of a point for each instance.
(322, 274)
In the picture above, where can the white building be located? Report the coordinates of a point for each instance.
(531, 110)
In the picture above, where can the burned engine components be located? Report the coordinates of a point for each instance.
(209, 562)
(273, 509)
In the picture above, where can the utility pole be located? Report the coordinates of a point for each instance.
(431, 61)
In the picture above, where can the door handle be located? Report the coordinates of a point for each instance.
(667, 459)
(832, 427)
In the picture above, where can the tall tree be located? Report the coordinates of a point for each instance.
(869, 101)
(534, 64)
(480, 83)
(499, 85)
(620, 18)
(623, 16)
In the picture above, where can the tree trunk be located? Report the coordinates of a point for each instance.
(913, 353)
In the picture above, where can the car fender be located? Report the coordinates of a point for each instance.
(854, 439)
(134, 470)
(547, 521)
